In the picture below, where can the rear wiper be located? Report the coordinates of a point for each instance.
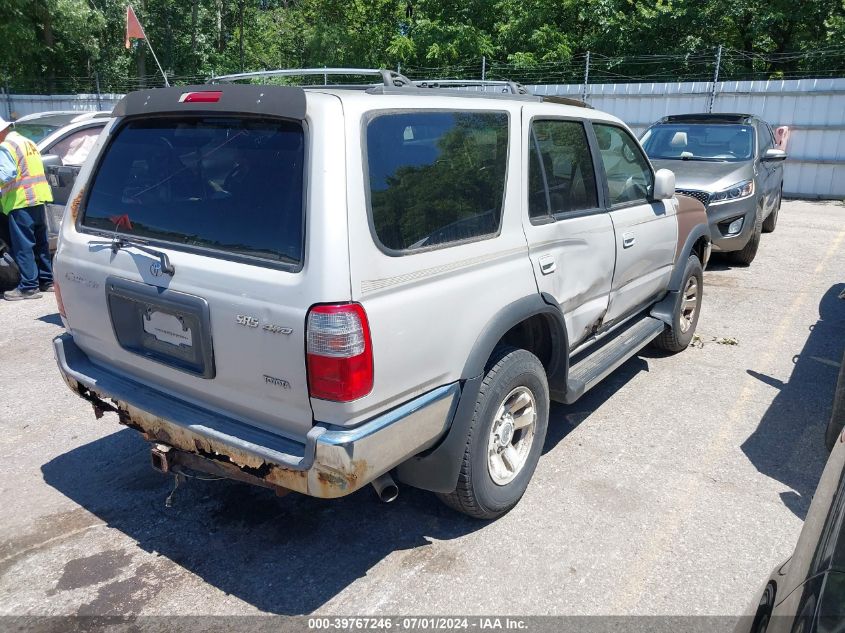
(119, 242)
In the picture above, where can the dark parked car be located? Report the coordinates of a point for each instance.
(837, 415)
(64, 139)
(730, 163)
(807, 592)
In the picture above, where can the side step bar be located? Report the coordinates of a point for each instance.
(589, 370)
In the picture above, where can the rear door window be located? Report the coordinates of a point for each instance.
(230, 185)
(560, 171)
(629, 176)
(436, 178)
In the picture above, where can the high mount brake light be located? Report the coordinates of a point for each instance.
(339, 352)
(205, 96)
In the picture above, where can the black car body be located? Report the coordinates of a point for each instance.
(807, 592)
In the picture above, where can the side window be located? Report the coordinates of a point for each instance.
(436, 177)
(629, 177)
(561, 177)
(75, 147)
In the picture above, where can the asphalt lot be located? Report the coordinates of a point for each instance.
(673, 488)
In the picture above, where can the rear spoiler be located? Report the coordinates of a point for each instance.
(284, 101)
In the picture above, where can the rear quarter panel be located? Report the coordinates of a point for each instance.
(426, 310)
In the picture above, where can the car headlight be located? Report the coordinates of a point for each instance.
(738, 191)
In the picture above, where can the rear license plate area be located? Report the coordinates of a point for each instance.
(169, 327)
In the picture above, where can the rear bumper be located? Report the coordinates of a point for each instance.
(332, 462)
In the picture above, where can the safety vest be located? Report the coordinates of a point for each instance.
(30, 188)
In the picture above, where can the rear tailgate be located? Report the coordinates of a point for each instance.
(220, 188)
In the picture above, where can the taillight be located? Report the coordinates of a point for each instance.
(58, 294)
(339, 352)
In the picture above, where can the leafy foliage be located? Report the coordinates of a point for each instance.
(60, 45)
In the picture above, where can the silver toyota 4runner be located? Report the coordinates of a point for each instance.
(314, 289)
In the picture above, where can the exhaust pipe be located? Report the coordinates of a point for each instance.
(386, 488)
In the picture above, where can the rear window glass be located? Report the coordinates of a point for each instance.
(228, 184)
(436, 177)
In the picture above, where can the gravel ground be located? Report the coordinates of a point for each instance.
(672, 488)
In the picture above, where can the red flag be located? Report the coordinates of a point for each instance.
(121, 221)
(134, 29)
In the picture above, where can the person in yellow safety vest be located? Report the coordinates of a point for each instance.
(23, 191)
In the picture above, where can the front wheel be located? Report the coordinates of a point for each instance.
(678, 336)
(771, 222)
(505, 437)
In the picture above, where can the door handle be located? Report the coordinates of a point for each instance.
(547, 264)
(628, 240)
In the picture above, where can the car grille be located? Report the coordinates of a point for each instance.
(702, 196)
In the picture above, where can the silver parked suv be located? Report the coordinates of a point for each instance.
(313, 289)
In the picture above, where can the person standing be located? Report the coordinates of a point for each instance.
(23, 191)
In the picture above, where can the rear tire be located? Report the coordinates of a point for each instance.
(505, 437)
(747, 254)
(837, 416)
(685, 316)
(771, 222)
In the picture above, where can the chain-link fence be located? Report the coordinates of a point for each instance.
(724, 63)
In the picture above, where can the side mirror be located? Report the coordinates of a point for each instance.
(51, 160)
(773, 154)
(664, 184)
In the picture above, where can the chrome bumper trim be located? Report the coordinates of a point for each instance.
(331, 462)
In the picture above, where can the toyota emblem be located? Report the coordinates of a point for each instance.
(155, 269)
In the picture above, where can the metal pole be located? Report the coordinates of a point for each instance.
(715, 78)
(325, 78)
(97, 85)
(586, 77)
(483, 67)
(160, 69)
(399, 68)
(8, 99)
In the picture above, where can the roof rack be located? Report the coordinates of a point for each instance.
(511, 87)
(389, 78)
(393, 82)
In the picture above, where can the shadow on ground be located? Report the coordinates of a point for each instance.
(788, 445)
(563, 419)
(52, 319)
(283, 556)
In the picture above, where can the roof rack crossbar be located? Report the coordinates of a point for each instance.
(389, 78)
(512, 86)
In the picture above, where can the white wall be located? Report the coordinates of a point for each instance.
(813, 108)
(15, 106)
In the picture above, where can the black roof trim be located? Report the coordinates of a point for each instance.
(283, 101)
(566, 101)
(708, 117)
